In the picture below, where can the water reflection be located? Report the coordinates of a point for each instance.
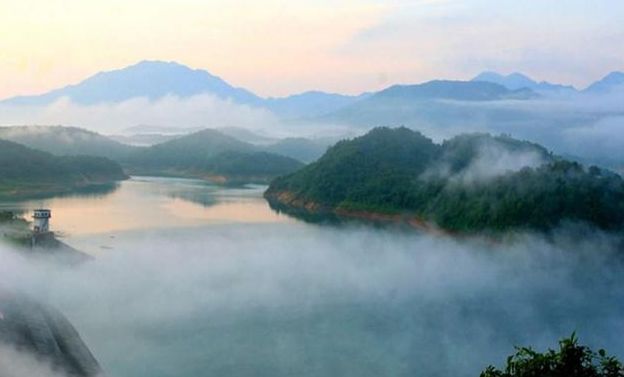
(205, 199)
(148, 203)
(21, 205)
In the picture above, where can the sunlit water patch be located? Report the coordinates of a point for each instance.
(91, 221)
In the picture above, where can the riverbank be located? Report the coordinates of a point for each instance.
(226, 180)
(287, 202)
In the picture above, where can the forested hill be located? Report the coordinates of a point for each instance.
(25, 171)
(212, 155)
(469, 183)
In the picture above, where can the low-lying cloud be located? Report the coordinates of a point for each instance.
(197, 111)
(492, 159)
(284, 299)
(584, 126)
(580, 125)
(14, 363)
(495, 160)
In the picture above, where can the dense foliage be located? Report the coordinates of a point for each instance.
(25, 169)
(459, 185)
(571, 360)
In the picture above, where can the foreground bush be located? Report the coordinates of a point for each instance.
(571, 360)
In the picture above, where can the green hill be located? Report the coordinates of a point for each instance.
(469, 183)
(212, 155)
(66, 141)
(188, 150)
(25, 171)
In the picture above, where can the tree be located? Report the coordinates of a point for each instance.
(571, 360)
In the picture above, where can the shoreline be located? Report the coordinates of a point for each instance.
(28, 192)
(289, 203)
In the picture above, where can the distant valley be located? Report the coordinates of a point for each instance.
(158, 79)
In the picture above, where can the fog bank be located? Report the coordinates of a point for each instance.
(296, 299)
(205, 111)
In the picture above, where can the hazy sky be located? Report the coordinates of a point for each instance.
(277, 47)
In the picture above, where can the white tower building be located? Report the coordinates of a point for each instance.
(42, 220)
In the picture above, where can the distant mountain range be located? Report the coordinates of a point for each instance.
(311, 103)
(514, 81)
(517, 81)
(512, 104)
(157, 79)
(451, 90)
(437, 103)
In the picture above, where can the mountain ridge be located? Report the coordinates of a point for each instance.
(157, 79)
(200, 81)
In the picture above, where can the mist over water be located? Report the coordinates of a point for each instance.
(288, 298)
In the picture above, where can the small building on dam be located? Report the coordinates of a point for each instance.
(41, 223)
(41, 234)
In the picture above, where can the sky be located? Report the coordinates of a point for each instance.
(280, 47)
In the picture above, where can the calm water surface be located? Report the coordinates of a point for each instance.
(91, 220)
